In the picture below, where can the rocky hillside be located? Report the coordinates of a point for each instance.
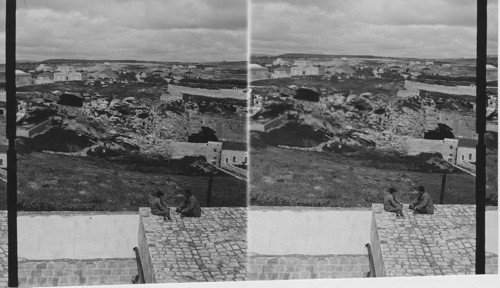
(100, 124)
(385, 116)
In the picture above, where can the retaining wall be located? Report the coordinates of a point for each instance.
(210, 150)
(77, 272)
(284, 267)
(143, 248)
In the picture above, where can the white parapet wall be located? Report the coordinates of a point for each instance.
(322, 231)
(308, 230)
(77, 235)
(239, 94)
(454, 90)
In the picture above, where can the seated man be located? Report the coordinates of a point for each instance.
(159, 208)
(392, 205)
(190, 207)
(423, 204)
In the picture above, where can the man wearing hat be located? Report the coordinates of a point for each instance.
(423, 204)
(190, 207)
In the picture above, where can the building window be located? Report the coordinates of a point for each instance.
(227, 160)
(234, 159)
(246, 158)
(451, 147)
(463, 157)
(1, 162)
(470, 156)
(215, 150)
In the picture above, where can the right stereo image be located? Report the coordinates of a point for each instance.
(363, 139)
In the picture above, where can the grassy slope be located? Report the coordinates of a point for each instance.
(292, 177)
(55, 182)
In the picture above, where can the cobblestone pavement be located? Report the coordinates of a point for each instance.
(209, 248)
(439, 244)
(3, 249)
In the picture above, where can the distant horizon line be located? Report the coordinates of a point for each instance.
(118, 61)
(359, 55)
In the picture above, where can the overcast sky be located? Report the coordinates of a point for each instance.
(408, 28)
(170, 30)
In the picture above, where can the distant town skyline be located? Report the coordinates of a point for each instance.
(403, 28)
(149, 30)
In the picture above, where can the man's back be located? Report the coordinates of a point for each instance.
(193, 202)
(429, 205)
(156, 206)
(389, 202)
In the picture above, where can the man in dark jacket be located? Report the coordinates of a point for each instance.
(423, 204)
(190, 207)
(392, 205)
(159, 208)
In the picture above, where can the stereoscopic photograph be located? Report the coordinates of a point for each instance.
(175, 141)
(131, 142)
(363, 139)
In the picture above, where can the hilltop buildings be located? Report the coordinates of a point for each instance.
(23, 78)
(45, 77)
(258, 72)
(306, 70)
(70, 76)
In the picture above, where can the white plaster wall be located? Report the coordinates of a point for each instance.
(491, 231)
(77, 235)
(309, 231)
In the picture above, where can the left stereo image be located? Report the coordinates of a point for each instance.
(131, 142)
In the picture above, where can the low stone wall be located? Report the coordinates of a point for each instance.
(34, 273)
(455, 90)
(284, 267)
(237, 170)
(239, 94)
(30, 132)
(265, 127)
